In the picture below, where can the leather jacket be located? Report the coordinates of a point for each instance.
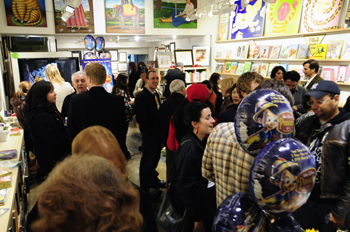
(335, 176)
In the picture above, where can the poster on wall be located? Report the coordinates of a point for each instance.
(174, 14)
(125, 16)
(320, 15)
(82, 20)
(224, 20)
(108, 85)
(31, 13)
(283, 17)
(249, 21)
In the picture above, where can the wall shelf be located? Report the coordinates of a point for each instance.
(281, 60)
(338, 31)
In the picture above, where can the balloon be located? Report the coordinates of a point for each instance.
(282, 176)
(90, 56)
(262, 117)
(105, 55)
(284, 222)
(100, 44)
(239, 212)
(89, 42)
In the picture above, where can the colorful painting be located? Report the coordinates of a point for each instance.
(174, 14)
(283, 17)
(249, 21)
(82, 21)
(125, 16)
(26, 13)
(347, 17)
(321, 15)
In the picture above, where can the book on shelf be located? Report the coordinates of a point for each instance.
(245, 52)
(227, 66)
(255, 68)
(5, 172)
(264, 69)
(285, 66)
(227, 53)
(275, 51)
(345, 54)
(264, 51)
(218, 68)
(10, 164)
(272, 65)
(240, 68)
(334, 49)
(256, 52)
(218, 54)
(347, 16)
(284, 52)
(247, 66)
(328, 74)
(292, 51)
(3, 193)
(300, 70)
(342, 71)
(321, 51)
(347, 79)
(3, 211)
(5, 182)
(251, 51)
(302, 51)
(239, 50)
(292, 68)
(8, 154)
(233, 67)
(223, 28)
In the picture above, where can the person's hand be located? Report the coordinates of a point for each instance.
(198, 227)
(139, 90)
(295, 108)
(335, 222)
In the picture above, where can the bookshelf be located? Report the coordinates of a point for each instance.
(199, 74)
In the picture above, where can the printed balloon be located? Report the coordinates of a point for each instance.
(239, 212)
(89, 42)
(263, 116)
(100, 44)
(105, 55)
(90, 56)
(283, 222)
(282, 176)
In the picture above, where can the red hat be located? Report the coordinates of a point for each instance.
(197, 92)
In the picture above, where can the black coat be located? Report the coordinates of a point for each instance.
(133, 77)
(49, 135)
(218, 102)
(147, 113)
(171, 75)
(167, 109)
(65, 106)
(97, 107)
(228, 115)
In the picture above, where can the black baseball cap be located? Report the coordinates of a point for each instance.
(322, 88)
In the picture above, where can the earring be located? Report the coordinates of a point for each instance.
(197, 130)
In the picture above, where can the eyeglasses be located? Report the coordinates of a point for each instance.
(319, 102)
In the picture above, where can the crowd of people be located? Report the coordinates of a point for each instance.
(79, 141)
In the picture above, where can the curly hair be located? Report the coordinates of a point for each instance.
(279, 87)
(120, 83)
(87, 193)
(53, 74)
(24, 88)
(245, 80)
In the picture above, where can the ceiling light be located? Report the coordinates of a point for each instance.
(118, 38)
(210, 14)
(174, 36)
(137, 38)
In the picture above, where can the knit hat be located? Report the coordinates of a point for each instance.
(197, 92)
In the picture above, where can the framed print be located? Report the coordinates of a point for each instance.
(114, 66)
(122, 67)
(162, 49)
(164, 59)
(114, 55)
(77, 54)
(201, 55)
(123, 57)
(184, 56)
(172, 46)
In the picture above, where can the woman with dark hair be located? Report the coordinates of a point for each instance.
(120, 88)
(133, 77)
(277, 73)
(215, 79)
(46, 126)
(140, 65)
(189, 192)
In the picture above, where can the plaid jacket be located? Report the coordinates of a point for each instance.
(226, 163)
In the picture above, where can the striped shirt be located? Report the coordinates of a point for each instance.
(226, 163)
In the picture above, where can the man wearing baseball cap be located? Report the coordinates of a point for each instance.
(327, 135)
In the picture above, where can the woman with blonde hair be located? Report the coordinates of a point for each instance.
(87, 193)
(62, 88)
(226, 88)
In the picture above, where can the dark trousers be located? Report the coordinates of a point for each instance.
(149, 160)
(316, 215)
(123, 146)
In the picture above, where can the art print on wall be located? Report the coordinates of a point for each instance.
(26, 13)
(174, 14)
(82, 20)
(125, 16)
(320, 15)
(224, 21)
(283, 17)
(249, 21)
(201, 55)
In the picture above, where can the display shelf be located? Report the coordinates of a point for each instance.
(282, 60)
(338, 31)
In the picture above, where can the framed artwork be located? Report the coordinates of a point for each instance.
(172, 46)
(114, 66)
(82, 20)
(77, 54)
(201, 55)
(131, 21)
(184, 56)
(114, 55)
(224, 20)
(164, 59)
(123, 57)
(122, 67)
(162, 49)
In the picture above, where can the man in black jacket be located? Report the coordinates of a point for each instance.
(97, 107)
(172, 74)
(327, 135)
(147, 105)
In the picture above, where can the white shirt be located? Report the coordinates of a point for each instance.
(309, 81)
(62, 91)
